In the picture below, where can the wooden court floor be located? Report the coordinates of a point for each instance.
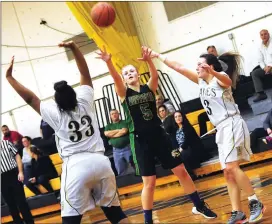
(172, 206)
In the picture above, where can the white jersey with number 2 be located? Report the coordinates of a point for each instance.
(76, 131)
(217, 101)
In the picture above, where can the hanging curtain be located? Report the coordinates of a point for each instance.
(120, 38)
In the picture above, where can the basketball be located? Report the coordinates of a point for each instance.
(103, 14)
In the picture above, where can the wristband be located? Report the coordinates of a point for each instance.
(162, 57)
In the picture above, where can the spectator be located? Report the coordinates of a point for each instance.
(117, 132)
(11, 186)
(264, 67)
(162, 112)
(42, 169)
(14, 137)
(184, 137)
(212, 50)
(161, 101)
(47, 144)
(26, 159)
(46, 131)
(262, 132)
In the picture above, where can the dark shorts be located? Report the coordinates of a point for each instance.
(146, 147)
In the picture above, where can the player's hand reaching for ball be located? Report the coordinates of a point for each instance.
(146, 54)
(154, 54)
(104, 55)
(68, 44)
(10, 68)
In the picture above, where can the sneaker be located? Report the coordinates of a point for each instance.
(204, 211)
(237, 218)
(256, 211)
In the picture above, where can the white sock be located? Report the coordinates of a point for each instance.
(253, 197)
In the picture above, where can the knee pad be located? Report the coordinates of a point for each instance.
(114, 214)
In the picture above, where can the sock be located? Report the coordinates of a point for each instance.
(148, 215)
(253, 197)
(196, 199)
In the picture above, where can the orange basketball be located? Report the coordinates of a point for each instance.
(103, 14)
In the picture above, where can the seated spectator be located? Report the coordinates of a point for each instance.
(161, 101)
(212, 50)
(117, 132)
(47, 144)
(184, 137)
(46, 131)
(162, 112)
(265, 65)
(42, 169)
(26, 158)
(262, 132)
(14, 137)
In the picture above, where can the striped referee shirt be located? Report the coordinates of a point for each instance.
(8, 153)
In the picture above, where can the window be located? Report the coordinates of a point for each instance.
(175, 10)
(86, 45)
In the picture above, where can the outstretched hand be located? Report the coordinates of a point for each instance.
(104, 55)
(207, 68)
(146, 54)
(10, 68)
(68, 44)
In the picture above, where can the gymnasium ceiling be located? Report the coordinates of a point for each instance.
(21, 20)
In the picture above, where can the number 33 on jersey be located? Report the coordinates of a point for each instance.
(84, 129)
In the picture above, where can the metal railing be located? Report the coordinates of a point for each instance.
(165, 88)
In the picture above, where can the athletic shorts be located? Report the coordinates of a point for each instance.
(233, 141)
(146, 147)
(87, 180)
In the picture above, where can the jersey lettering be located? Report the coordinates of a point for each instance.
(74, 126)
(207, 104)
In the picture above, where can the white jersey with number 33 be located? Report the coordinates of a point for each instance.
(217, 101)
(76, 131)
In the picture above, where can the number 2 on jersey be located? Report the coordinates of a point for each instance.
(207, 104)
(74, 127)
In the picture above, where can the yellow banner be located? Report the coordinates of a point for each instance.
(120, 39)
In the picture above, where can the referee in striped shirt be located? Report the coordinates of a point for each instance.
(11, 183)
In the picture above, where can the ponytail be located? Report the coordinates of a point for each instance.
(233, 61)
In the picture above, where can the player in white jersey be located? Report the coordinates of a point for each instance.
(232, 135)
(87, 179)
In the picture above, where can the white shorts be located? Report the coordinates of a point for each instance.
(233, 141)
(87, 180)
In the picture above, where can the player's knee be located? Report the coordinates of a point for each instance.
(181, 171)
(229, 175)
(114, 214)
(149, 183)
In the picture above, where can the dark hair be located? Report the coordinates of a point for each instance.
(28, 138)
(4, 126)
(35, 150)
(65, 96)
(231, 59)
(210, 47)
(163, 107)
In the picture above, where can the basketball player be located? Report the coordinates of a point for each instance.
(87, 178)
(232, 135)
(147, 138)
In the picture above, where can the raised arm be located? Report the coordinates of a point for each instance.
(153, 81)
(28, 96)
(85, 78)
(222, 79)
(118, 81)
(177, 67)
